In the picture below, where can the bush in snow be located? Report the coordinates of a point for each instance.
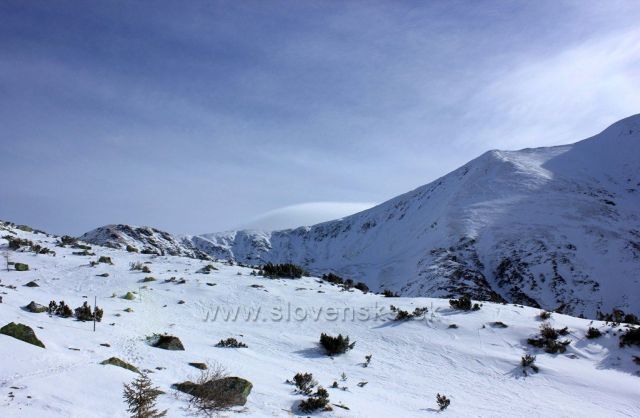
(593, 333)
(231, 343)
(367, 360)
(402, 315)
(84, 313)
(335, 345)
(135, 266)
(304, 382)
(618, 316)
(60, 309)
(286, 270)
(527, 361)
(544, 315)
(548, 339)
(131, 249)
(319, 400)
(464, 304)
(630, 337)
(443, 401)
(389, 294)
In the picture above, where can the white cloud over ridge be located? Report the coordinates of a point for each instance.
(304, 214)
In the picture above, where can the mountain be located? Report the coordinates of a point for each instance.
(472, 357)
(142, 238)
(555, 227)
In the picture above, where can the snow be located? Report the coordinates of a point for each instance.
(475, 365)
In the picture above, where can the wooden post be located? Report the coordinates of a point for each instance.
(95, 308)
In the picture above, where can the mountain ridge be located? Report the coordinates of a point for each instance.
(553, 227)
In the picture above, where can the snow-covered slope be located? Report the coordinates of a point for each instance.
(555, 227)
(141, 238)
(476, 364)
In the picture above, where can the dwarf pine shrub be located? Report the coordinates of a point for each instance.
(335, 345)
(463, 303)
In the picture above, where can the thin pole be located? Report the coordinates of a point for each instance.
(95, 309)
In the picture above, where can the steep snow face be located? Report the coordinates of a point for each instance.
(554, 227)
(142, 238)
(477, 363)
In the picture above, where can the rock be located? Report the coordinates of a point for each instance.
(36, 307)
(115, 361)
(21, 267)
(169, 342)
(233, 390)
(32, 284)
(21, 332)
(129, 296)
(148, 279)
(103, 275)
(201, 366)
(105, 259)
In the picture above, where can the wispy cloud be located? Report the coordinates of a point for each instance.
(199, 116)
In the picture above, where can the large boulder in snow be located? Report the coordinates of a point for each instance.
(115, 361)
(168, 342)
(21, 332)
(231, 391)
(36, 307)
(21, 266)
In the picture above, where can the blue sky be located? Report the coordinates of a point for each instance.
(202, 116)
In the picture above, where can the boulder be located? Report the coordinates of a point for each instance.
(21, 266)
(201, 366)
(32, 284)
(36, 307)
(233, 390)
(115, 361)
(169, 342)
(21, 332)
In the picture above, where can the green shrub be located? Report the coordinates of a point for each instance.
(464, 304)
(304, 382)
(630, 337)
(231, 343)
(402, 315)
(319, 400)
(84, 313)
(60, 309)
(544, 315)
(332, 278)
(548, 339)
(131, 249)
(618, 316)
(286, 270)
(527, 361)
(593, 333)
(335, 345)
(443, 401)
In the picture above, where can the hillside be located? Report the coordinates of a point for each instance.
(556, 227)
(476, 364)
